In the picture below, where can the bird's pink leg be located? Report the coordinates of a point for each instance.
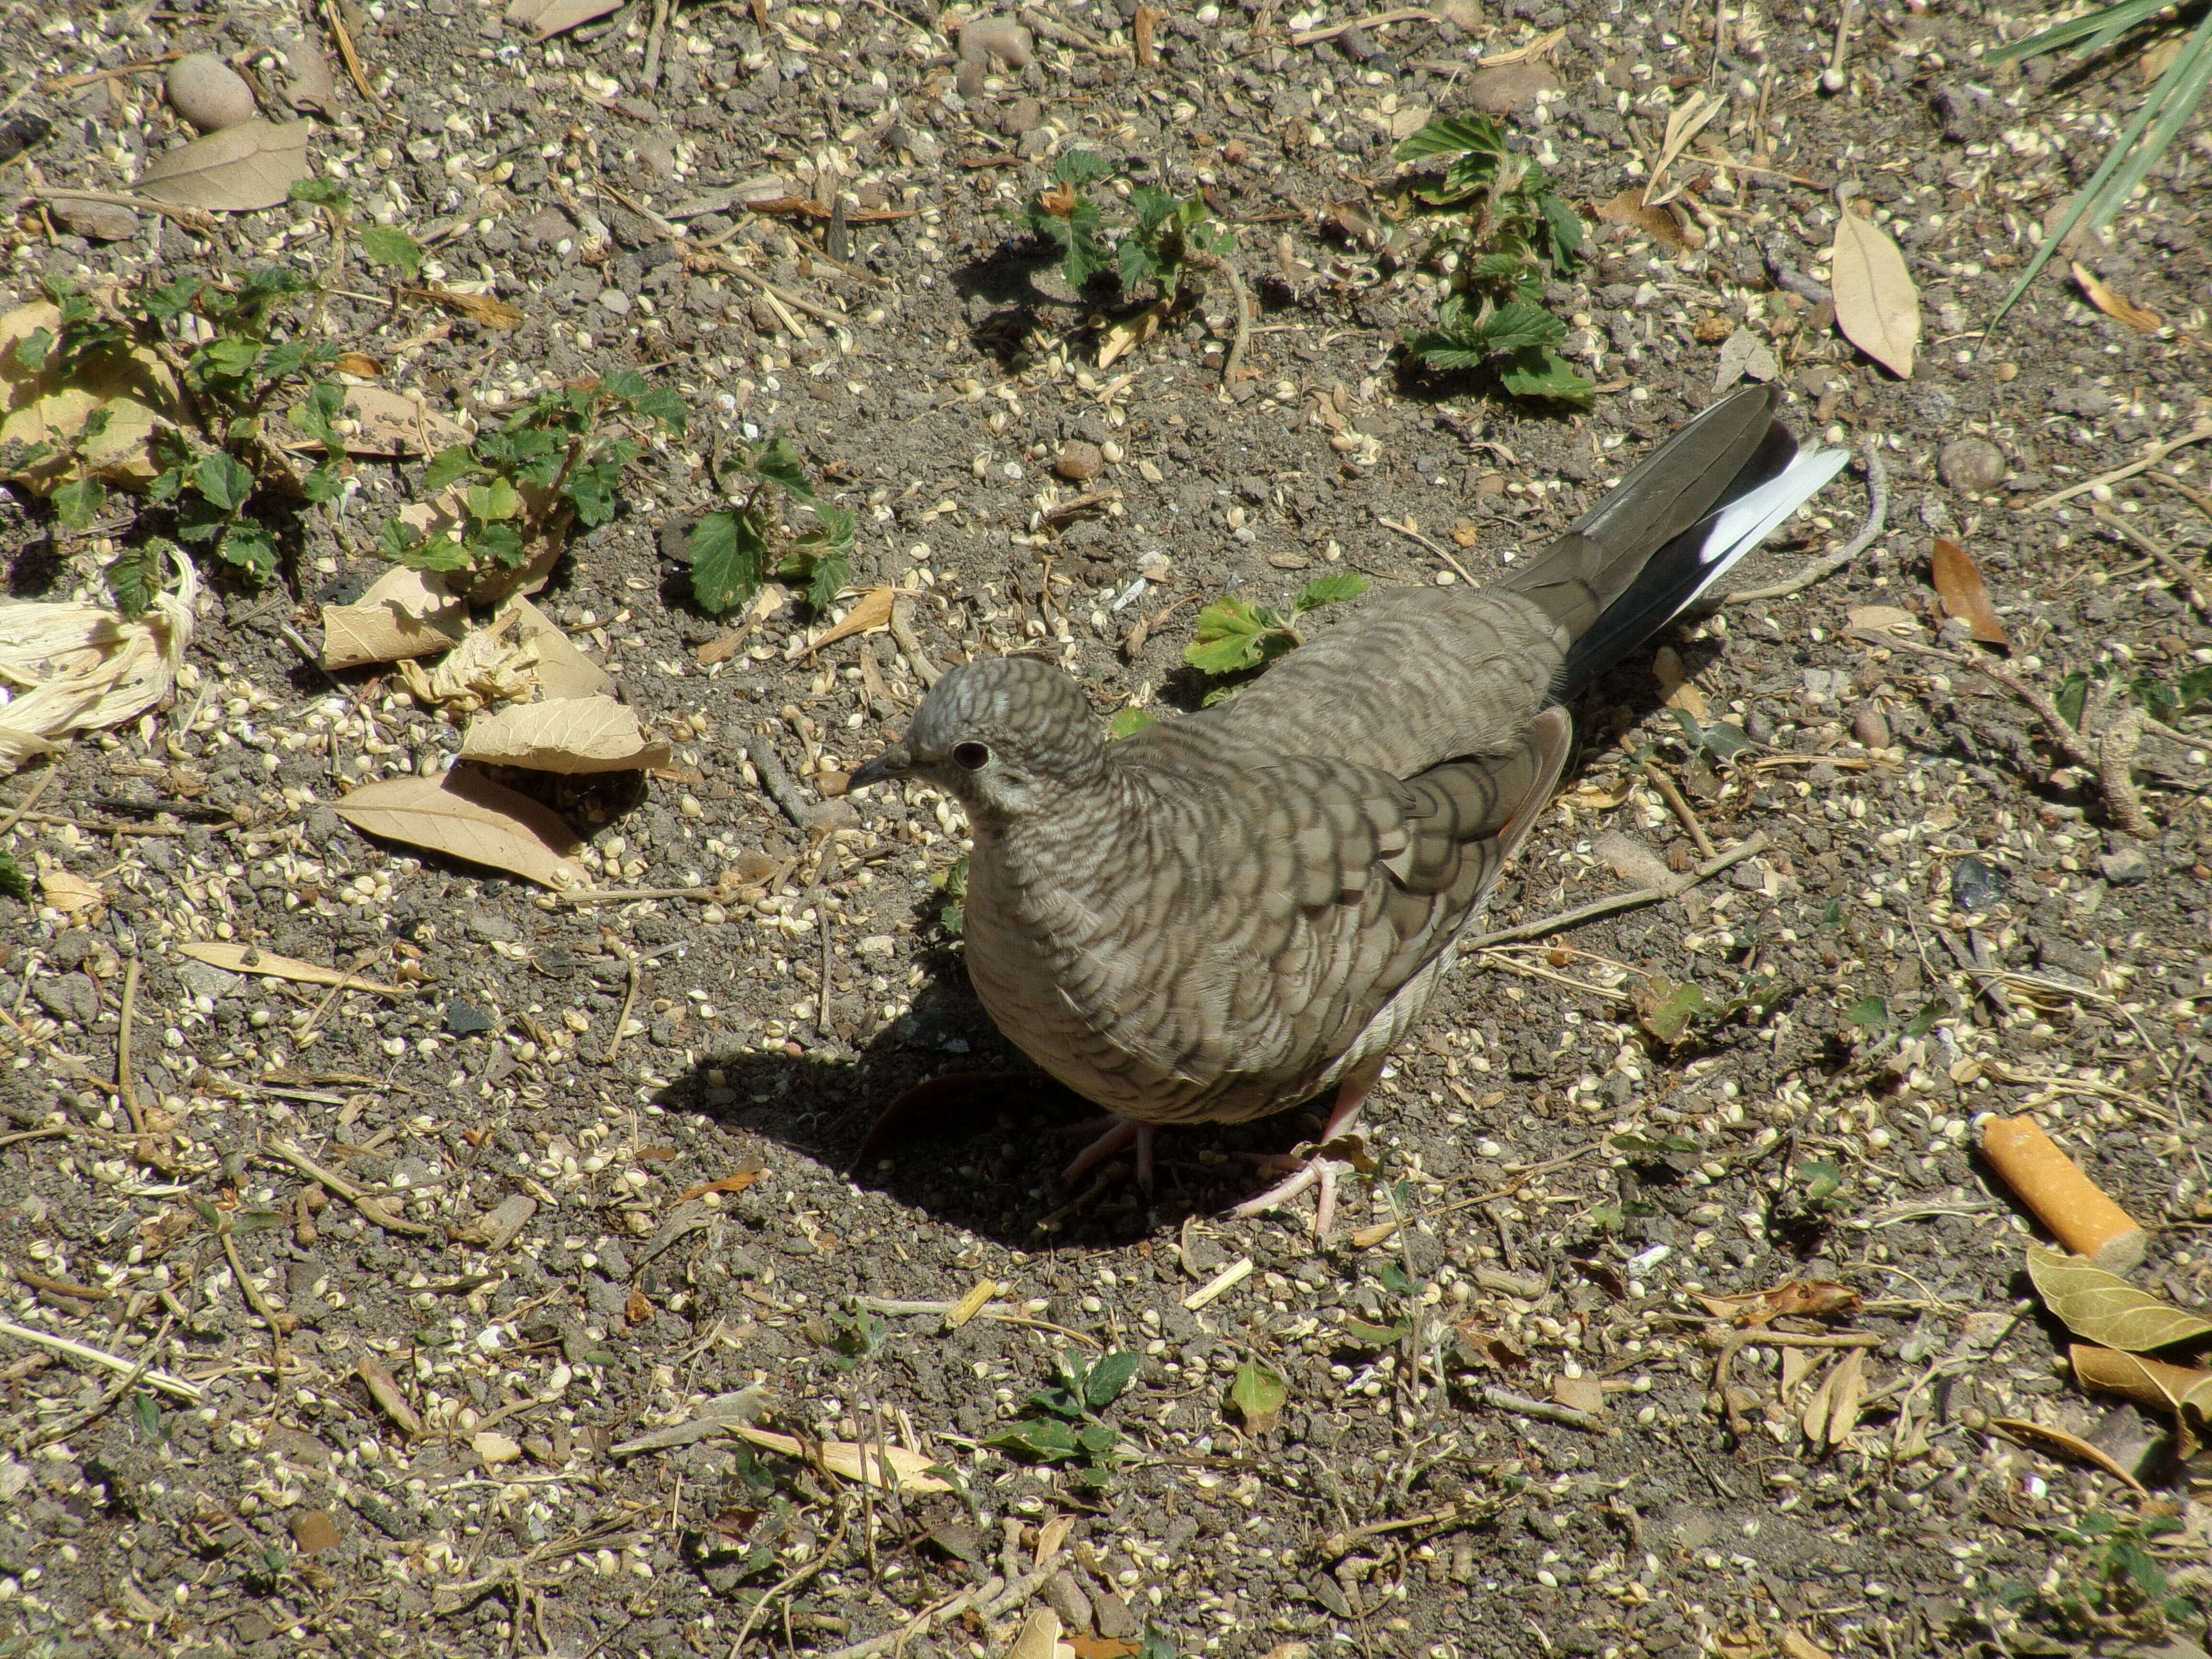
(1125, 1131)
(1351, 1096)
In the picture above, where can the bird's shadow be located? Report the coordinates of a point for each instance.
(941, 1112)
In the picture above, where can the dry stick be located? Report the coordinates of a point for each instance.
(910, 645)
(791, 1583)
(722, 263)
(195, 220)
(1436, 548)
(632, 895)
(1831, 78)
(2119, 792)
(2159, 552)
(168, 1384)
(341, 1188)
(84, 1419)
(72, 82)
(126, 1086)
(1405, 15)
(630, 1001)
(1743, 849)
(1505, 1400)
(2203, 501)
(776, 783)
(654, 40)
(1820, 570)
(16, 813)
(990, 1599)
(338, 33)
(2152, 455)
(1672, 793)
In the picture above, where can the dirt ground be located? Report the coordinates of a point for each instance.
(433, 1309)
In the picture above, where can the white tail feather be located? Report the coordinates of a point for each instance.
(1751, 519)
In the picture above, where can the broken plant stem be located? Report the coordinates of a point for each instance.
(790, 1583)
(1832, 79)
(1743, 849)
(992, 1599)
(2120, 792)
(1821, 568)
(174, 1386)
(2161, 554)
(777, 784)
(910, 646)
(1671, 793)
(1436, 548)
(341, 1188)
(1544, 1410)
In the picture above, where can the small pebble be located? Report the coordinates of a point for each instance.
(1079, 461)
(209, 92)
(1972, 466)
(2125, 864)
(1869, 727)
(97, 222)
(1975, 886)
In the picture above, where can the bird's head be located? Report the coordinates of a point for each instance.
(1002, 735)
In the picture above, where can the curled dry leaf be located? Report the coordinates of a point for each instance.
(485, 310)
(570, 736)
(548, 17)
(71, 895)
(406, 614)
(561, 670)
(464, 815)
(1038, 1637)
(2152, 1382)
(131, 392)
(84, 668)
(2115, 305)
(251, 165)
(1745, 354)
(1668, 224)
(871, 615)
(1802, 1298)
(1877, 306)
(1833, 1412)
(1676, 688)
(876, 1464)
(2038, 1436)
(247, 959)
(383, 1389)
(309, 85)
(491, 664)
(1966, 596)
(2104, 1308)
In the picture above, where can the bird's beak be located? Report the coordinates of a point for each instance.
(891, 763)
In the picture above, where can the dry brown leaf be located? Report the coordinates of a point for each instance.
(464, 815)
(1583, 1393)
(1132, 333)
(1038, 1637)
(247, 959)
(570, 736)
(69, 894)
(406, 614)
(1796, 1645)
(873, 612)
(2038, 1436)
(727, 1184)
(1684, 122)
(2150, 1382)
(77, 668)
(1877, 306)
(386, 1394)
(2104, 1308)
(549, 17)
(1658, 223)
(251, 165)
(1603, 797)
(2115, 305)
(1959, 579)
(392, 423)
(1846, 1393)
(561, 670)
(484, 310)
(1676, 689)
(906, 1470)
(357, 362)
(1087, 1646)
(488, 666)
(130, 391)
(1883, 619)
(1803, 1299)
(309, 85)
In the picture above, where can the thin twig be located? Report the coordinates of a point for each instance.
(1436, 548)
(2152, 455)
(1671, 792)
(84, 1419)
(655, 38)
(1659, 894)
(346, 50)
(910, 646)
(1505, 1401)
(16, 813)
(777, 784)
(1382, 19)
(2203, 501)
(2159, 552)
(2120, 796)
(168, 1384)
(630, 1001)
(700, 259)
(1833, 78)
(1820, 570)
(990, 1599)
(340, 1187)
(198, 220)
(790, 1583)
(634, 895)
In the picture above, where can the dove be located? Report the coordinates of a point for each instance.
(1234, 912)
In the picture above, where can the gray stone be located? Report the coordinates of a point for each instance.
(1974, 465)
(2125, 864)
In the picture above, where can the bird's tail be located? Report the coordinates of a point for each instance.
(1670, 530)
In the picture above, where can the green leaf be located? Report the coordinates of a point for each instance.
(317, 414)
(134, 576)
(1870, 1014)
(442, 551)
(78, 505)
(1724, 740)
(729, 560)
(1540, 372)
(200, 520)
(450, 467)
(1518, 325)
(494, 501)
(1234, 636)
(231, 358)
(1157, 1644)
(1374, 1336)
(1109, 1378)
(1335, 588)
(224, 481)
(835, 525)
(385, 246)
(1129, 721)
(1441, 351)
(169, 301)
(777, 462)
(1564, 228)
(1665, 1009)
(1926, 1020)
(1820, 1179)
(1260, 1392)
(13, 881)
(1079, 167)
(322, 193)
(1041, 1438)
(324, 484)
(1098, 1440)
(34, 348)
(499, 544)
(249, 546)
(2073, 699)
(1394, 1279)
(2154, 696)
(1084, 256)
(2193, 687)
(829, 578)
(1452, 135)
(664, 407)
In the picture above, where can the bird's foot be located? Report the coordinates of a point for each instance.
(1121, 1134)
(1318, 1168)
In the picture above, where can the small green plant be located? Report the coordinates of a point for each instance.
(558, 458)
(1878, 1026)
(735, 549)
(1400, 1289)
(1128, 722)
(1670, 1011)
(1065, 1425)
(1165, 238)
(1235, 636)
(1502, 230)
(1259, 1393)
(953, 917)
(13, 881)
(2114, 1587)
(220, 471)
(2161, 699)
(854, 1337)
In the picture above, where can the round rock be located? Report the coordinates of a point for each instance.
(209, 92)
(1972, 466)
(1079, 461)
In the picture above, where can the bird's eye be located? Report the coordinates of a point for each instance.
(972, 756)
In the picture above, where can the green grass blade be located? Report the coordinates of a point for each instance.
(2178, 93)
(2102, 25)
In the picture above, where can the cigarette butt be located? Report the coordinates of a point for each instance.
(2064, 1199)
(2148, 1381)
